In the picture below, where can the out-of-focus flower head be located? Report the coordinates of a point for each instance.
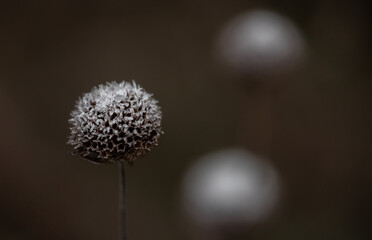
(261, 43)
(230, 189)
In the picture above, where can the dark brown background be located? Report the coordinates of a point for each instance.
(53, 51)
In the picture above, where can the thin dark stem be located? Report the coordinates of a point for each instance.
(122, 227)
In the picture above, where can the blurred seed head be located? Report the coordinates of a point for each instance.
(230, 189)
(115, 122)
(260, 43)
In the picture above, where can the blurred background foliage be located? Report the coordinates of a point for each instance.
(320, 138)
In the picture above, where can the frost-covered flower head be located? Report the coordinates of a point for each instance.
(115, 122)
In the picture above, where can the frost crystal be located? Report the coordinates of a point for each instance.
(115, 122)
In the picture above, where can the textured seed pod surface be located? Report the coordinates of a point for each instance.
(115, 122)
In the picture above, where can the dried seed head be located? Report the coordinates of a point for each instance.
(115, 122)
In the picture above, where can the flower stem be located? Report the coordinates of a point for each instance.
(122, 207)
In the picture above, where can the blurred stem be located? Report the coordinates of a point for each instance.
(259, 118)
(266, 113)
(122, 207)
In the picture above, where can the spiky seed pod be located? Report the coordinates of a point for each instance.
(115, 122)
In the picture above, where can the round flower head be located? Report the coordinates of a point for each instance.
(261, 42)
(115, 122)
(230, 189)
